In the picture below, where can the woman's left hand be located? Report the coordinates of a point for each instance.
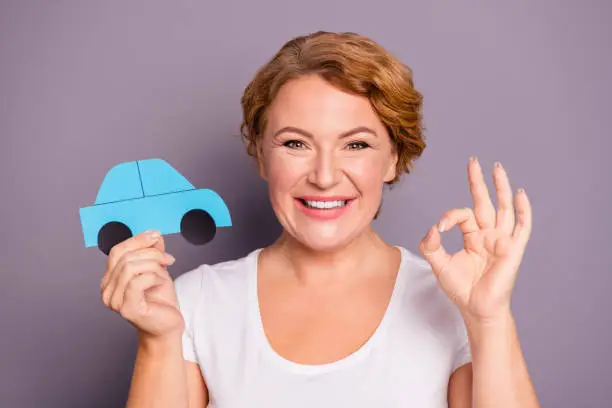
(480, 277)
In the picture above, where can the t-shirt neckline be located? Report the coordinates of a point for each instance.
(270, 355)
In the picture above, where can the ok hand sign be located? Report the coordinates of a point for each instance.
(480, 277)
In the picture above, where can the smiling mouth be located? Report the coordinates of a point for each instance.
(324, 205)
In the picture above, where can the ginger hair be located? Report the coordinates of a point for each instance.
(354, 64)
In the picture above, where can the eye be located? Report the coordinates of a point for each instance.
(358, 145)
(294, 144)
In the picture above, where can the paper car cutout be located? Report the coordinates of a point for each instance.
(151, 195)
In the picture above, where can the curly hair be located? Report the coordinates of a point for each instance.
(354, 64)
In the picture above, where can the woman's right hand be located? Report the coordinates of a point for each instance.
(137, 285)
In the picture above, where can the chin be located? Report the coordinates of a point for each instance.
(324, 235)
(324, 241)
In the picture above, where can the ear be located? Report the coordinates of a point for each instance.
(392, 168)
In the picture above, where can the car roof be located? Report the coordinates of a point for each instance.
(138, 179)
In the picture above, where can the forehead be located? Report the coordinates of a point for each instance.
(315, 105)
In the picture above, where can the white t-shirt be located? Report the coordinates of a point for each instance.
(407, 362)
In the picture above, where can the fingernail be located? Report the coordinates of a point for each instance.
(521, 190)
(498, 165)
(170, 258)
(153, 234)
(442, 226)
(472, 158)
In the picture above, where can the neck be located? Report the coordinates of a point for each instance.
(312, 267)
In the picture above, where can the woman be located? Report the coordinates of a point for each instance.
(330, 315)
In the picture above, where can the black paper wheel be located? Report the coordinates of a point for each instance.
(198, 227)
(111, 234)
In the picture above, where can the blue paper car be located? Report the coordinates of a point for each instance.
(150, 194)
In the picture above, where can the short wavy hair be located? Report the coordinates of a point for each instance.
(354, 64)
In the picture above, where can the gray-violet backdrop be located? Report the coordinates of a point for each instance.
(85, 85)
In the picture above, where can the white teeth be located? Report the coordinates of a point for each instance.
(325, 204)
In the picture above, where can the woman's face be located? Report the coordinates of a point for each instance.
(326, 156)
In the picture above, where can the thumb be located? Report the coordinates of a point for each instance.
(432, 250)
(160, 244)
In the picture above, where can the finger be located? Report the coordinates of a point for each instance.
(143, 240)
(505, 208)
(462, 217)
(522, 230)
(432, 250)
(129, 273)
(134, 256)
(483, 207)
(506, 276)
(160, 244)
(135, 303)
(152, 255)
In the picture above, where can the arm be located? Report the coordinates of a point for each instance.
(479, 279)
(498, 375)
(162, 378)
(196, 387)
(137, 285)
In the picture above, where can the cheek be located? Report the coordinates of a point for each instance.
(283, 172)
(367, 172)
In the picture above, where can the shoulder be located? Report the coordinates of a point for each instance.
(426, 298)
(226, 277)
(214, 301)
(419, 275)
(423, 288)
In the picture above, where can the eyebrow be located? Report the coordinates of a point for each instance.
(292, 129)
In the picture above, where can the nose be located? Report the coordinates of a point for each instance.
(325, 172)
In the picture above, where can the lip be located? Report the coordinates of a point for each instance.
(330, 214)
(328, 198)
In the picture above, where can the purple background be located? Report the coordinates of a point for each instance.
(85, 85)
